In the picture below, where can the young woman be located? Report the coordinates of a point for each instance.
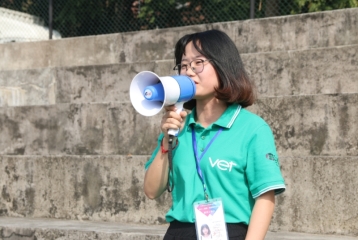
(223, 150)
(205, 232)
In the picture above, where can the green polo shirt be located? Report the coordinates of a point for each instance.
(239, 166)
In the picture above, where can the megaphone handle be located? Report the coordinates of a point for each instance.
(179, 106)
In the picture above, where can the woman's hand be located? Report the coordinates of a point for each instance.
(172, 120)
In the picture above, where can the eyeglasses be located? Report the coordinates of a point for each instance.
(197, 66)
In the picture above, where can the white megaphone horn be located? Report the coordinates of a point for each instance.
(149, 93)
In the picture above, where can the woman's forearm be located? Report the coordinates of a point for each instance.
(156, 176)
(261, 216)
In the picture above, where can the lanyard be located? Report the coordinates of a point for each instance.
(198, 159)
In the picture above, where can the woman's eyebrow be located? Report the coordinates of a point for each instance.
(196, 57)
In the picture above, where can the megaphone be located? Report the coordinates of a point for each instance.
(149, 93)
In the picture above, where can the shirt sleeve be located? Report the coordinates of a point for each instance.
(263, 168)
(147, 164)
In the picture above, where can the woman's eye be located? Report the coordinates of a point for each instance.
(197, 62)
(183, 66)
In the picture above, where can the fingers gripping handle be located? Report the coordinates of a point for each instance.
(179, 106)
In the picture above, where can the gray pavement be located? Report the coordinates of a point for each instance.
(30, 228)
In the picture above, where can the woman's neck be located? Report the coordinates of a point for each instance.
(208, 112)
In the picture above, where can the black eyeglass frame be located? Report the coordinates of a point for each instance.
(179, 66)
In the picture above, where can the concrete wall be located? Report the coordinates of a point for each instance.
(69, 137)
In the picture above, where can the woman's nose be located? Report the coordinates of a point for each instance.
(190, 71)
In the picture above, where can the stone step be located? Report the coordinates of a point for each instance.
(32, 229)
(109, 188)
(314, 30)
(96, 188)
(331, 70)
(303, 126)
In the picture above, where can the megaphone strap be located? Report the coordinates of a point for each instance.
(170, 160)
(167, 150)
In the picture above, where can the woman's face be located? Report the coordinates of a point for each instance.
(205, 231)
(206, 80)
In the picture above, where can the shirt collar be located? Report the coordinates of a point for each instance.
(226, 119)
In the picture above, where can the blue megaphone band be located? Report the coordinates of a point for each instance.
(186, 85)
(154, 92)
(187, 88)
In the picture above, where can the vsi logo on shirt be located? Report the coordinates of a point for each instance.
(222, 164)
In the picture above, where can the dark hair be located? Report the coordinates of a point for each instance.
(205, 226)
(234, 83)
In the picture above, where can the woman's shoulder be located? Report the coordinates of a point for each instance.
(250, 118)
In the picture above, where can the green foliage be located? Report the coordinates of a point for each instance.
(323, 5)
(92, 17)
(159, 14)
(81, 17)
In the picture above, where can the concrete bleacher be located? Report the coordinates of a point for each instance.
(31, 229)
(72, 148)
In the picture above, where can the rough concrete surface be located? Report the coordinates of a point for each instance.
(77, 129)
(320, 196)
(100, 188)
(314, 30)
(324, 125)
(304, 72)
(325, 70)
(28, 87)
(303, 125)
(38, 229)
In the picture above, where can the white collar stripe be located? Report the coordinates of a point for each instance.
(234, 116)
(278, 189)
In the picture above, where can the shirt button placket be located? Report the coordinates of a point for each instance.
(202, 138)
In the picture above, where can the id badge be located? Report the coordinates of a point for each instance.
(210, 220)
